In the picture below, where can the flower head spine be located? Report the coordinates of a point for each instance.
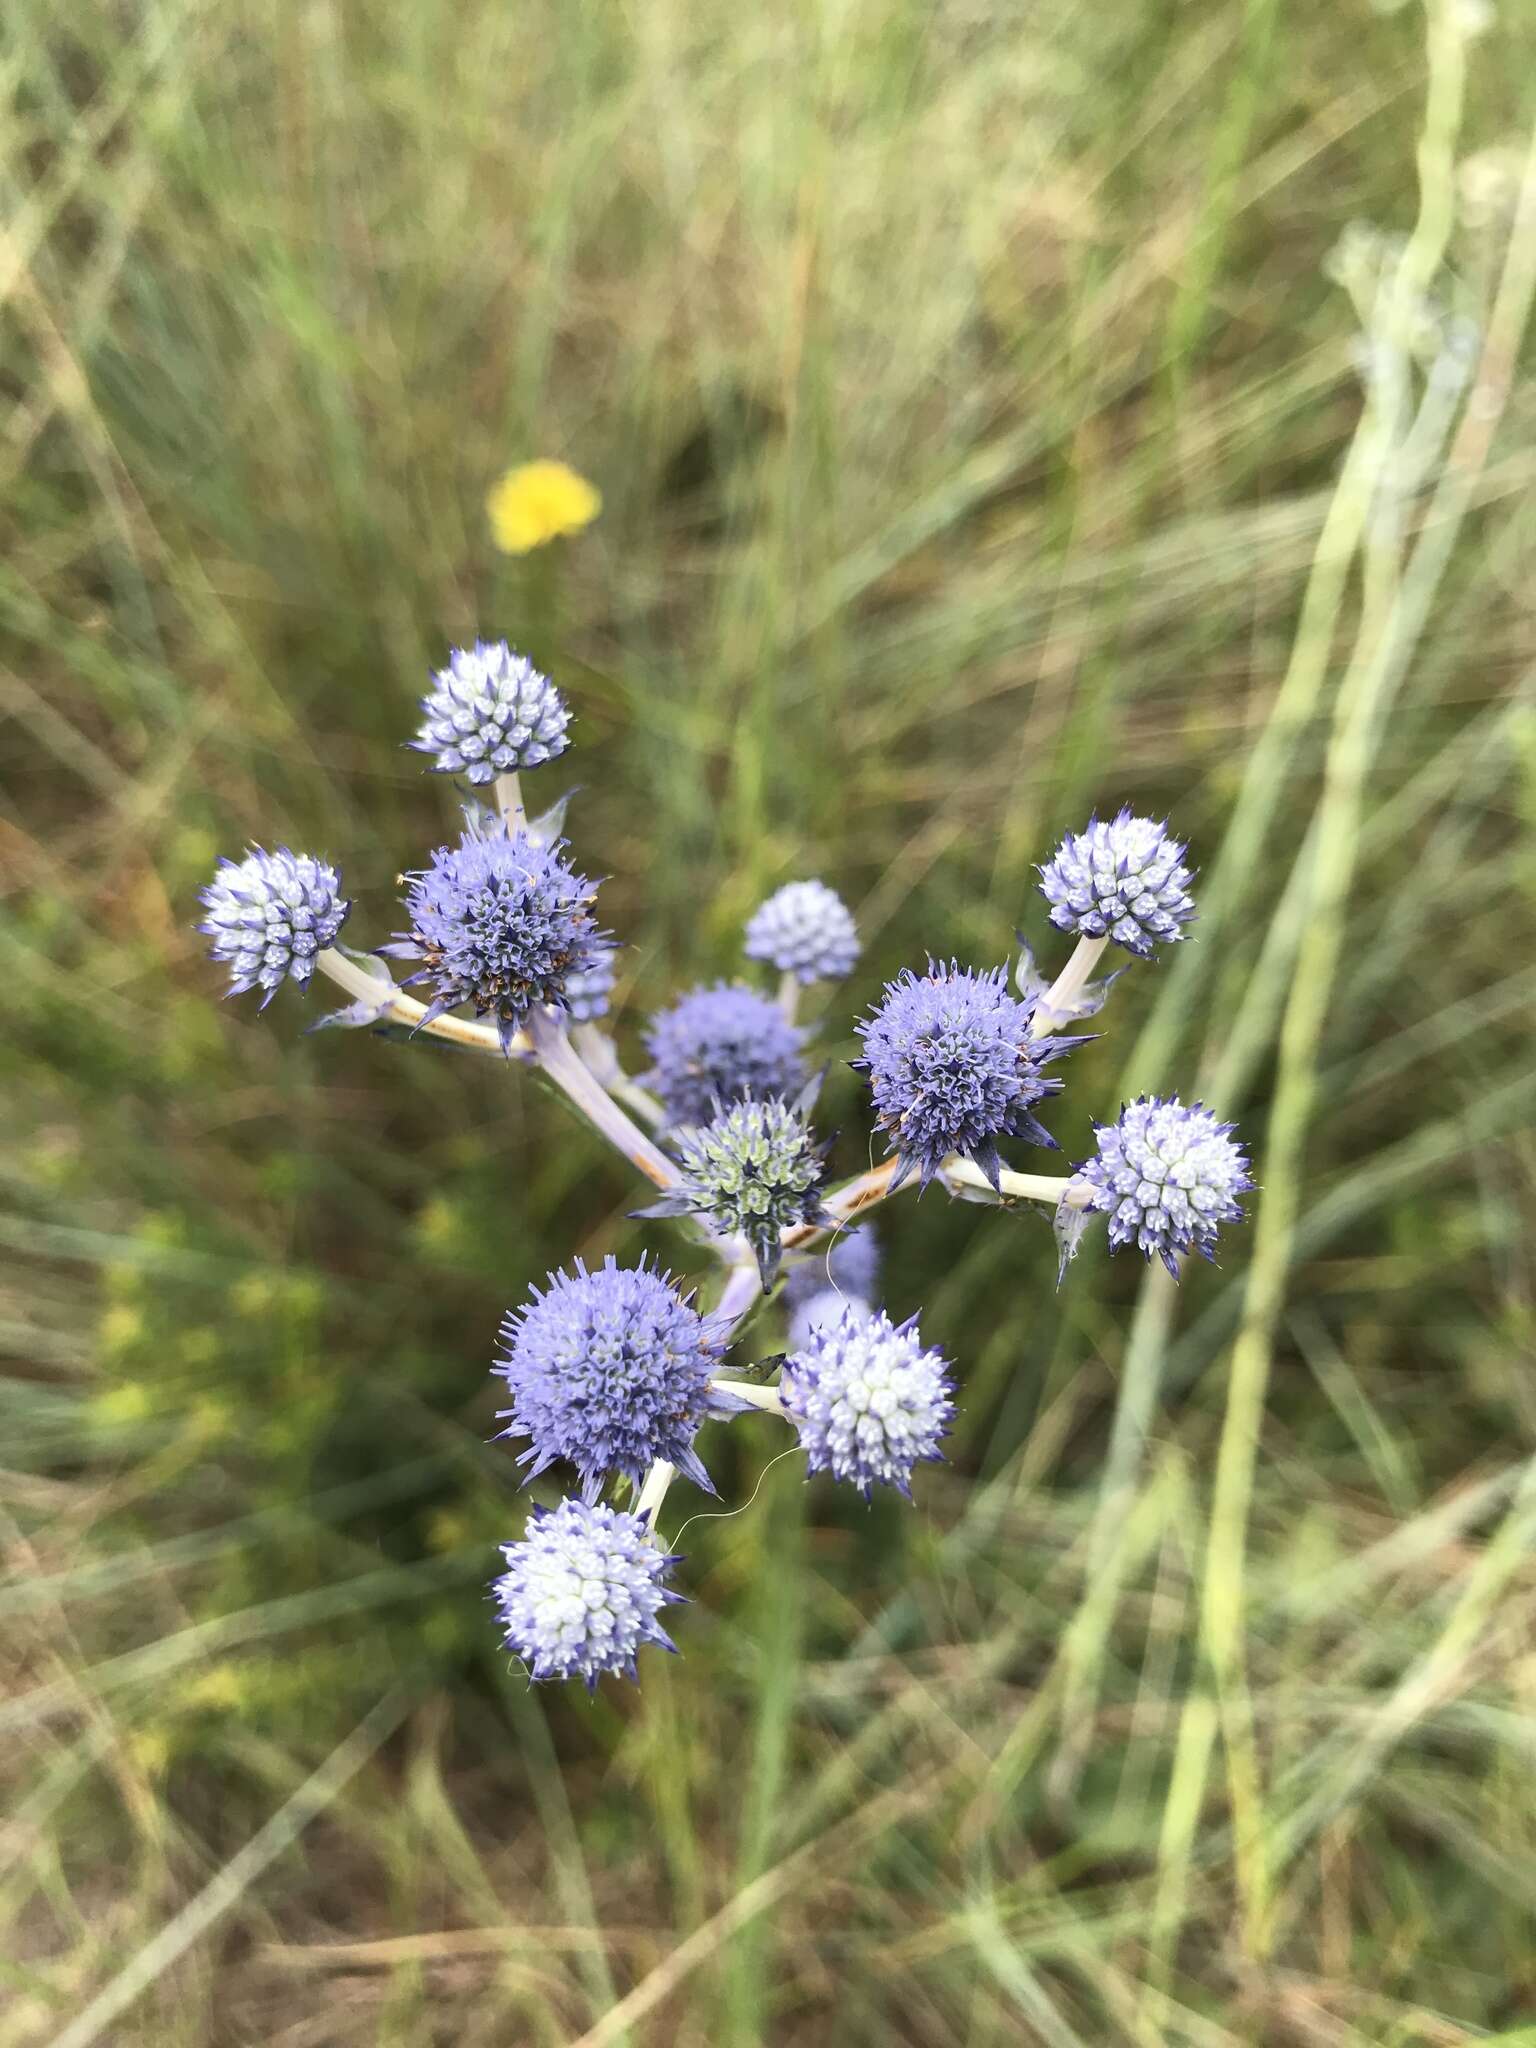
(1123, 879)
(804, 929)
(869, 1402)
(1166, 1176)
(490, 713)
(583, 1592)
(270, 916)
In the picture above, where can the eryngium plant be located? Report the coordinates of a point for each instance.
(614, 1375)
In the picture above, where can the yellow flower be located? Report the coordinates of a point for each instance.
(538, 501)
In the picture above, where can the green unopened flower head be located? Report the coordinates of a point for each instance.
(753, 1171)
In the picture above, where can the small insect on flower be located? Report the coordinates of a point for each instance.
(538, 502)
(583, 1592)
(804, 929)
(610, 1371)
(1166, 1176)
(868, 1401)
(269, 916)
(490, 713)
(952, 1068)
(1123, 880)
(716, 1045)
(500, 922)
(753, 1171)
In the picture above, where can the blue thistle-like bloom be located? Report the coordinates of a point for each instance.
(588, 989)
(1123, 880)
(754, 1171)
(869, 1402)
(804, 929)
(500, 922)
(716, 1045)
(489, 713)
(582, 1591)
(269, 915)
(1167, 1176)
(848, 1264)
(611, 1370)
(952, 1068)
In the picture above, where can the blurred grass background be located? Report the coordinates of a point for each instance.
(967, 397)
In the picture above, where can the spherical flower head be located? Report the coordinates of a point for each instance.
(490, 713)
(610, 1371)
(588, 989)
(754, 1171)
(952, 1068)
(868, 1401)
(804, 929)
(1167, 1176)
(1123, 880)
(500, 922)
(849, 1263)
(538, 502)
(269, 916)
(582, 1591)
(717, 1045)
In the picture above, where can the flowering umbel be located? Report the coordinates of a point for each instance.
(804, 929)
(610, 1371)
(269, 915)
(583, 1592)
(717, 1045)
(490, 713)
(953, 1068)
(1166, 1176)
(500, 922)
(753, 1171)
(868, 1401)
(1123, 880)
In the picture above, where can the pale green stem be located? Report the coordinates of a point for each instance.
(509, 801)
(1054, 1188)
(768, 1399)
(1068, 985)
(557, 1057)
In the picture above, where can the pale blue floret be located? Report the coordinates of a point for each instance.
(1166, 1177)
(868, 1401)
(582, 1592)
(270, 916)
(716, 1045)
(500, 922)
(1123, 879)
(804, 929)
(490, 713)
(610, 1371)
(952, 1068)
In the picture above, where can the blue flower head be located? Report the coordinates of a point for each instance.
(489, 713)
(952, 1068)
(716, 1045)
(804, 929)
(1123, 880)
(848, 1265)
(753, 1171)
(611, 1371)
(582, 1591)
(868, 1401)
(269, 916)
(1166, 1176)
(500, 922)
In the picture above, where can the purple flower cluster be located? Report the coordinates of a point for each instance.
(502, 923)
(269, 915)
(1166, 1177)
(612, 1372)
(490, 713)
(715, 1046)
(952, 1068)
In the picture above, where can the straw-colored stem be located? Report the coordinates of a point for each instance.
(403, 1009)
(1053, 1008)
(558, 1059)
(754, 1393)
